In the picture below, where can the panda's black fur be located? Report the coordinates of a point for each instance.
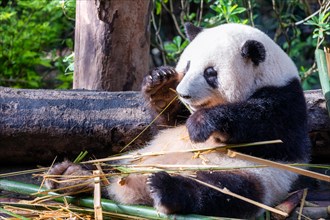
(270, 113)
(274, 111)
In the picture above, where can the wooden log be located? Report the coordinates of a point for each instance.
(311, 213)
(319, 125)
(111, 37)
(37, 125)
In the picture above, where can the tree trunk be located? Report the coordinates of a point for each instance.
(112, 44)
(37, 125)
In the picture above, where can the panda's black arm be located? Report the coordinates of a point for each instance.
(271, 113)
(178, 194)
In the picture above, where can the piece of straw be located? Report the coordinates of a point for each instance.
(228, 192)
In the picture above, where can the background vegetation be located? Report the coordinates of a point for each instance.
(298, 26)
(37, 35)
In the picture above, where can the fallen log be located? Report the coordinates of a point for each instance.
(37, 125)
(319, 126)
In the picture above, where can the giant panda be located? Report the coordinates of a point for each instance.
(241, 87)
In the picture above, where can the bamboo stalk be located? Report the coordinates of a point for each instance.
(323, 75)
(138, 156)
(327, 56)
(16, 173)
(97, 196)
(127, 145)
(107, 205)
(289, 204)
(193, 167)
(286, 167)
(302, 203)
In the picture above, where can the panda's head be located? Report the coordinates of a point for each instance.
(228, 63)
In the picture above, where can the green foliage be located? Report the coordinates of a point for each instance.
(34, 34)
(175, 48)
(321, 26)
(69, 8)
(220, 11)
(70, 62)
(291, 24)
(226, 11)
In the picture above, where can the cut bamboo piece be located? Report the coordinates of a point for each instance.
(286, 167)
(97, 196)
(323, 74)
(327, 56)
(288, 205)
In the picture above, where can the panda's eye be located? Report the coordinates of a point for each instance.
(210, 72)
(211, 77)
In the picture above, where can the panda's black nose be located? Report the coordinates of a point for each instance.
(184, 96)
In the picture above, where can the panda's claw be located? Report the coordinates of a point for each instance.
(164, 74)
(149, 180)
(160, 76)
(157, 89)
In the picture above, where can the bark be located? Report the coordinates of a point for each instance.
(37, 125)
(312, 213)
(319, 126)
(112, 44)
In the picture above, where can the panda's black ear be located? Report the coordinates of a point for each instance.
(254, 50)
(191, 30)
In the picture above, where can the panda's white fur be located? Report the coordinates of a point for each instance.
(135, 191)
(237, 80)
(220, 47)
(277, 182)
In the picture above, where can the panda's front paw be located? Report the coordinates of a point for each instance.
(199, 126)
(158, 88)
(158, 77)
(164, 192)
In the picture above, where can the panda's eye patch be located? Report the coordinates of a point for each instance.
(211, 77)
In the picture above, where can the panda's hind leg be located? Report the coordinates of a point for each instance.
(178, 194)
(130, 190)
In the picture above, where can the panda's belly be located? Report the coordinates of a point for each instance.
(277, 182)
(177, 139)
(173, 139)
